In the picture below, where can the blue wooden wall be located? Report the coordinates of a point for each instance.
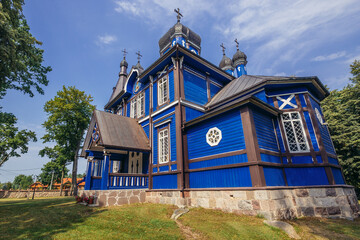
(306, 176)
(274, 176)
(324, 132)
(232, 135)
(265, 131)
(165, 181)
(311, 131)
(171, 86)
(195, 88)
(338, 176)
(172, 139)
(191, 113)
(219, 161)
(230, 177)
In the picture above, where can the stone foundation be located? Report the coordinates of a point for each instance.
(106, 198)
(337, 202)
(283, 203)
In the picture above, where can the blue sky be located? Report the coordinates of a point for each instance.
(83, 42)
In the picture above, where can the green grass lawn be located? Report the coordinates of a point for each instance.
(61, 218)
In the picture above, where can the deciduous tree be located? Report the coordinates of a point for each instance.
(12, 141)
(22, 182)
(342, 112)
(68, 117)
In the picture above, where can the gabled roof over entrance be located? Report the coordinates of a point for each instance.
(112, 131)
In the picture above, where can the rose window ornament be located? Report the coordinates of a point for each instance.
(213, 136)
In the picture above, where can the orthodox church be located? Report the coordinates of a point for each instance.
(184, 126)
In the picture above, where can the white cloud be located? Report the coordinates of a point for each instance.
(106, 39)
(329, 57)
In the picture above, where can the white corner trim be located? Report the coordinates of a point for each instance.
(162, 123)
(164, 108)
(192, 105)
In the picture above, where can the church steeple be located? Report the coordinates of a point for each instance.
(239, 61)
(182, 35)
(138, 65)
(123, 65)
(226, 63)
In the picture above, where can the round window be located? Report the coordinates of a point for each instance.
(213, 136)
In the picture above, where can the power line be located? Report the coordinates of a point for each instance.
(17, 170)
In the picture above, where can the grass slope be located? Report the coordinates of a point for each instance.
(61, 218)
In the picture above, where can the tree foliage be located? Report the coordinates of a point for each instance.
(342, 111)
(22, 182)
(68, 117)
(47, 171)
(21, 60)
(12, 141)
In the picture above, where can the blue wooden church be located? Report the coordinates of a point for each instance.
(184, 123)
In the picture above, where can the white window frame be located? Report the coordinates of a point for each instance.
(163, 135)
(137, 106)
(163, 90)
(116, 164)
(291, 120)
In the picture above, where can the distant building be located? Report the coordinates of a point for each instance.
(184, 126)
(38, 186)
(67, 183)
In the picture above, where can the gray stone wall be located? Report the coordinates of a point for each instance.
(338, 202)
(29, 193)
(107, 198)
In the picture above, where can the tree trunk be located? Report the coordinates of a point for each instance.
(62, 178)
(74, 187)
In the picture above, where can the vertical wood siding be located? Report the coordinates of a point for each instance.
(147, 101)
(230, 177)
(311, 131)
(232, 135)
(302, 100)
(324, 132)
(146, 129)
(195, 88)
(155, 93)
(265, 131)
(338, 176)
(219, 161)
(274, 176)
(306, 176)
(171, 86)
(279, 136)
(287, 89)
(261, 95)
(165, 182)
(333, 160)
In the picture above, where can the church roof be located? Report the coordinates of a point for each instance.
(179, 28)
(247, 82)
(117, 132)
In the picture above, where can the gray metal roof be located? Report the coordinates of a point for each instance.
(235, 87)
(118, 132)
(246, 82)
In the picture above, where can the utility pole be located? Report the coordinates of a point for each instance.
(52, 177)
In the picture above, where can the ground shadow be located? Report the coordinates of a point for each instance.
(41, 218)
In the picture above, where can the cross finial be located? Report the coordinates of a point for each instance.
(223, 48)
(179, 15)
(237, 44)
(139, 56)
(124, 52)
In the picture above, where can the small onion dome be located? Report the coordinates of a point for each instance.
(123, 63)
(225, 63)
(239, 58)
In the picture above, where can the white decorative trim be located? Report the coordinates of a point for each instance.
(213, 136)
(164, 108)
(173, 61)
(127, 80)
(162, 123)
(318, 116)
(286, 101)
(144, 119)
(192, 105)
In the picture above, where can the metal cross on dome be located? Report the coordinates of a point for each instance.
(223, 48)
(237, 44)
(139, 55)
(179, 15)
(124, 52)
